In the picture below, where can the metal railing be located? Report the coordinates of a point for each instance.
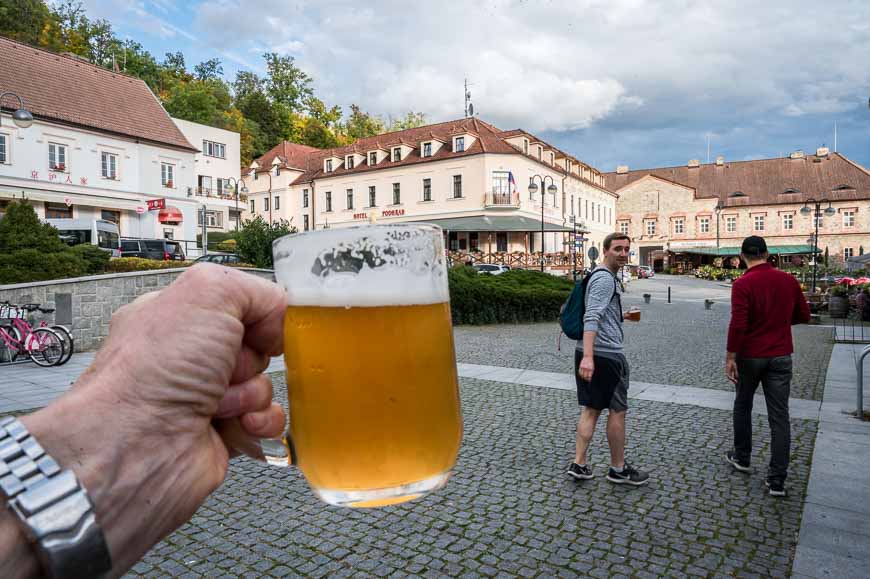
(213, 192)
(859, 408)
(501, 199)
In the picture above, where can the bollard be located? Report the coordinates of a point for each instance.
(859, 410)
(669, 294)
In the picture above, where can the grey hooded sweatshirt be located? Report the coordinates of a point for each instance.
(604, 312)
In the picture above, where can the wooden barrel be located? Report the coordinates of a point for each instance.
(838, 306)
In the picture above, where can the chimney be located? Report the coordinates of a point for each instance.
(822, 152)
(622, 170)
(797, 155)
(694, 163)
(720, 160)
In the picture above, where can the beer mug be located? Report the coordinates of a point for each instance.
(371, 370)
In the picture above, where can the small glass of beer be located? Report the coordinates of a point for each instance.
(371, 370)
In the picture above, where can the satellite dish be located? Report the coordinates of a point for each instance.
(470, 110)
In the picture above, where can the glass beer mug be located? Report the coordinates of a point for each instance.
(371, 370)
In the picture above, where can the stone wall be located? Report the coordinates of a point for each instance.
(86, 304)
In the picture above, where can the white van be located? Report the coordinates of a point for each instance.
(103, 234)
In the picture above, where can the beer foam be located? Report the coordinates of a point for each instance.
(367, 266)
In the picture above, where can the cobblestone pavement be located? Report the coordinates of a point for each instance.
(510, 510)
(681, 343)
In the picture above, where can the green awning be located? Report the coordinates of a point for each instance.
(729, 251)
(494, 223)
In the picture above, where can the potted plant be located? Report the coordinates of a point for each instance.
(838, 305)
(60, 167)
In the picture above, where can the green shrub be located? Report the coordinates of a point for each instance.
(228, 245)
(126, 264)
(254, 240)
(517, 296)
(215, 238)
(25, 265)
(96, 260)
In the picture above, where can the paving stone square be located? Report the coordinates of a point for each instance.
(509, 509)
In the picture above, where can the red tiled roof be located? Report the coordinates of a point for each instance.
(290, 155)
(764, 182)
(71, 91)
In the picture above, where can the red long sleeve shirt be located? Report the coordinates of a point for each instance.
(765, 303)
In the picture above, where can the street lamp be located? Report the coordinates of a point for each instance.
(21, 117)
(829, 211)
(552, 190)
(244, 190)
(718, 210)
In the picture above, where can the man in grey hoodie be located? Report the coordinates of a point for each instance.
(602, 370)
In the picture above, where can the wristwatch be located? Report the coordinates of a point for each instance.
(56, 511)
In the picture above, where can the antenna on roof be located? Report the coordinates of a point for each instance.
(469, 108)
(835, 136)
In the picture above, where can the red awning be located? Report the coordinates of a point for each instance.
(170, 214)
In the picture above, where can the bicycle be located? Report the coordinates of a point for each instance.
(43, 345)
(25, 328)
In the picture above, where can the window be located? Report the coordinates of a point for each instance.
(328, 195)
(349, 197)
(704, 224)
(731, 223)
(397, 154)
(348, 162)
(759, 222)
(623, 227)
(679, 226)
(587, 209)
(212, 218)
(788, 221)
(58, 211)
(474, 241)
(113, 216)
(253, 209)
(277, 203)
(552, 158)
(57, 156)
(427, 189)
(304, 223)
(427, 149)
(848, 218)
(373, 196)
(397, 194)
(501, 183)
(373, 158)
(329, 165)
(265, 204)
(167, 174)
(457, 186)
(305, 198)
(501, 241)
(848, 252)
(4, 154)
(277, 170)
(212, 149)
(204, 185)
(650, 227)
(459, 145)
(109, 165)
(540, 153)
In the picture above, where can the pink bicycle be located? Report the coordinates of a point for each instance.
(45, 346)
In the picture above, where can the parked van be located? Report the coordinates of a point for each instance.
(103, 234)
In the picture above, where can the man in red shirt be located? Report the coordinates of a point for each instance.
(765, 303)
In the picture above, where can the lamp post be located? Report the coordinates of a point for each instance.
(717, 209)
(244, 190)
(552, 190)
(22, 117)
(817, 213)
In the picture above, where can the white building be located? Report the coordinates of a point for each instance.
(101, 147)
(216, 170)
(467, 176)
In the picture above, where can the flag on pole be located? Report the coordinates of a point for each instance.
(512, 183)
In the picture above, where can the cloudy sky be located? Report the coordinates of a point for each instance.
(640, 82)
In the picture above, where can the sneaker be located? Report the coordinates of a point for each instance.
(776, 488)
(741, 466)
(628, 476)
(580, 472)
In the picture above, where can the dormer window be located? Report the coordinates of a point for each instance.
(329, 165)
(373, 158)
(348, 162)
(397, 154)
(459, 145)
(525, 146)
(540, 153)
(427, 149)
(552, 158)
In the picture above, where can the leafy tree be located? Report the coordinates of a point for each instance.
(317, 134)
(247, 83)
(286, 83)
(254, 240)
(361, 124)
(210, 69)
(410, 121)
(24, 20)
(272, 126)
(198, 101)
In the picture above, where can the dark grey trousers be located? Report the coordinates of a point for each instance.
(775, 377)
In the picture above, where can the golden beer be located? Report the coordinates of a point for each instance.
(374, 399)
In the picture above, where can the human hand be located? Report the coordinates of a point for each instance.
(586, 369)
(731, 370)
(137, 426)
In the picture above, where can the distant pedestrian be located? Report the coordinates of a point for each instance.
(602, 370)
(765, 303)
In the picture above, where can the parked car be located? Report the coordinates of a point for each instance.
(491, 268)
(221, 258)
(645, 271)
(159, 249)
(103, 234)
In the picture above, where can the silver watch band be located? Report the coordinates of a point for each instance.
(57, 513)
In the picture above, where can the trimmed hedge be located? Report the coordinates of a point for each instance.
(126, 264)
(514, 297)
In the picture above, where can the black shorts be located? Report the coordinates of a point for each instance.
(609, 385)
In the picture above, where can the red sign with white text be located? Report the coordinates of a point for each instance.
(156, 204)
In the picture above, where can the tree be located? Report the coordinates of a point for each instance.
(286, 83)
(246, 83)
(410, 121)
(361, 124)
(210, 69)
(316, 134)
(270, 124)
(254, 240)
(20, 228)
(198, 101)
(24, 20)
